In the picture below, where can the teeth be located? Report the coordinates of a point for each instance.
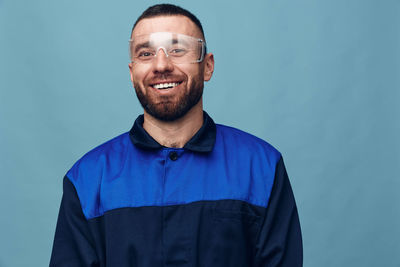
(165, 85)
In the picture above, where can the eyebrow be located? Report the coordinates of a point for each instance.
(142, 45)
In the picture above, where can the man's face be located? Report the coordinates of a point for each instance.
(187, 79)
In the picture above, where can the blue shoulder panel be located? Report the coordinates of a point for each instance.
(118, 174)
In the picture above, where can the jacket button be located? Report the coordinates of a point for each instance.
(173, 156)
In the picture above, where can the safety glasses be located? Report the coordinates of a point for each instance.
(178, 48)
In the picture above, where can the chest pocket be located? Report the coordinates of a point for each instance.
(232, 216)
(235, 228)
(237, 211)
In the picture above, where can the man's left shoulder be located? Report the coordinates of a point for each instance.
(245, 142)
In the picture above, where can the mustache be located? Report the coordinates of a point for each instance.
(164, 77)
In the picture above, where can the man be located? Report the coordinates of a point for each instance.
(177, 189)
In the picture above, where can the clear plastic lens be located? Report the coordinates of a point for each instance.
(178, 48)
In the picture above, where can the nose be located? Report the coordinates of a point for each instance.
(161, 62)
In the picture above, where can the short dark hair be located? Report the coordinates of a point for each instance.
(168, 10)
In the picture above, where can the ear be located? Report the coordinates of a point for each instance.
(208, 66)
(130, 65)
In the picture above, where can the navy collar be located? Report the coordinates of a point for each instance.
(202, 141)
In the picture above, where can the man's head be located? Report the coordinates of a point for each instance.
(168, 88)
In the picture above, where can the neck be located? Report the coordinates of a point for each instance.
(178, 132)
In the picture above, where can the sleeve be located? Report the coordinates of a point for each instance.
(279, 242)
(73, 243)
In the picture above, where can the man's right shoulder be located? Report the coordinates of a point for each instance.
(95, 160)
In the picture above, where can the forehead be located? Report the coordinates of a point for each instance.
(176, 24)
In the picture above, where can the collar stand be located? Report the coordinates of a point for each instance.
(202, 141)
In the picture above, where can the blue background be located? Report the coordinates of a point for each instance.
(317, 79)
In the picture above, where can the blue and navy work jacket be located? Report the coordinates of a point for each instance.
(223, 200)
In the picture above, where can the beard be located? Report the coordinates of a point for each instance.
(167, 108)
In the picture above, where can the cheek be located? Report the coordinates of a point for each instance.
(137, 82)
(138, 74)
(194, 74)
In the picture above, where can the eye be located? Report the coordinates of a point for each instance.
(145, 54)
(177, 52)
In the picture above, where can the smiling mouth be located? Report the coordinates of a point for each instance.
(164, 86)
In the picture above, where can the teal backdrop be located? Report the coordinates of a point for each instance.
(317, 79)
